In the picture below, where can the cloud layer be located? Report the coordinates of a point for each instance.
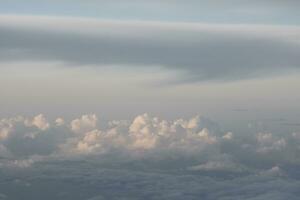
(198, 138)
(23, 137)
(147, 157)
(198, 51)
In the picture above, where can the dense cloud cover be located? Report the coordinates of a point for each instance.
(149, 158)
(199, 51)
(143, 158)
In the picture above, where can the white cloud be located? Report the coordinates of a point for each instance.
(5, 130)
(144, 133)
(217, 166)
(7, 126)
(89, 142)
(38, 121)
(85, 123)
(205, 136)
(198, 138)
(188, 150)
(228, 136)
(59, 121)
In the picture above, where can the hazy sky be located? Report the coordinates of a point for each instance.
(149, 99)
(169, 58)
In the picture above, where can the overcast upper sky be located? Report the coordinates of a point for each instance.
(149, 99)
(170, 58)
(228, 11)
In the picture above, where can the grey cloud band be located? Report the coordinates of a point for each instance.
(200, 52)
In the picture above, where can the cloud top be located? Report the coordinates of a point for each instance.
(192, 155)
(145, 136)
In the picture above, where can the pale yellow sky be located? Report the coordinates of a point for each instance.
(124, 92)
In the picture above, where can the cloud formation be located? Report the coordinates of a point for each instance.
(194, 157)
(200, 52)
(38, 121)
(199, 138)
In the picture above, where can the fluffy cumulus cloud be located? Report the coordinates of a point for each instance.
(191, 158)
(143, 134)
(197, 51)
(199, 137)
(83, 124)
(59, 121)
(38, 121)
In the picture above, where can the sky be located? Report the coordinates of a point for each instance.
(203, 95)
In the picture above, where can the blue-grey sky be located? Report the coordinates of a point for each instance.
(230, 11)
(76, 64)
(170, 58)
(140, 99)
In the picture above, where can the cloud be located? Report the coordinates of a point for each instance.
(219, 165)
(23, 136)
(85, 123)
(23, 163)
(143, 134)
(191, 158)
(198, 138)
(6, 128)
(39, 121)
(267, 142)
(59, 121)
(228, 136)
(274, 171)
(96, 179)
(198, 52)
